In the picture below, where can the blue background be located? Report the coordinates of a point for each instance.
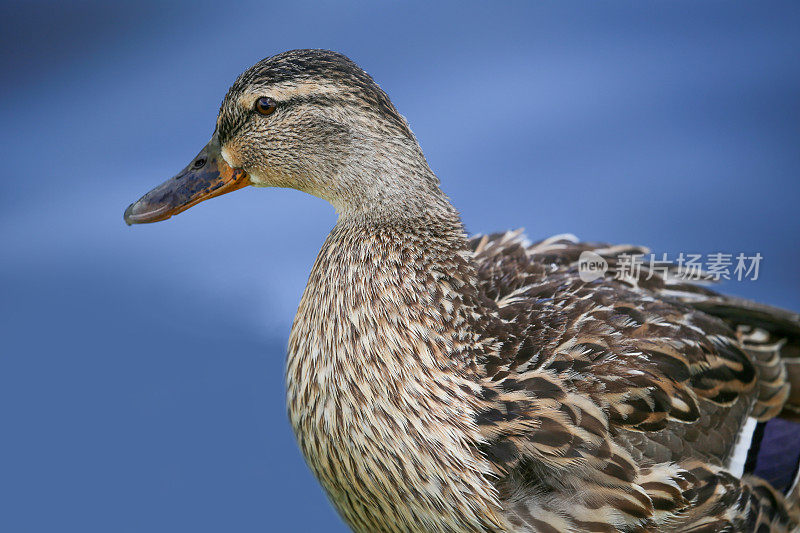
(141, 369)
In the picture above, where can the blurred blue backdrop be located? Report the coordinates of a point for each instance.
(141, 369)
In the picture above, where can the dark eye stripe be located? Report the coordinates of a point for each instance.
(315, 99)
(231, 125)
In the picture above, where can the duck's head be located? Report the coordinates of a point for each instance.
(307, 119)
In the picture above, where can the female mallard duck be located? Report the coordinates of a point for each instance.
(444, 384)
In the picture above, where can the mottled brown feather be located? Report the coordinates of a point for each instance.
(445, 385)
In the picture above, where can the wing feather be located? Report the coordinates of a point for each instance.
(615, 386)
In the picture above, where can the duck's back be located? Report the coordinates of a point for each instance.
(628, 397)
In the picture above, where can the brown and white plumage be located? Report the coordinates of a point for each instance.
(444, 384)
(675, 386)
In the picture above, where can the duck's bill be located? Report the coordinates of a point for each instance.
(207, 176)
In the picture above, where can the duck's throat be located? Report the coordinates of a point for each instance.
(381, 375)
(386, 298)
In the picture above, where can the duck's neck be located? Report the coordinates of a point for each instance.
(379, 288)
(382, 387)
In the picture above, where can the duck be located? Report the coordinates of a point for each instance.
(438, 382)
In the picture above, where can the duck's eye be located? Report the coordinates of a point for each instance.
(266, 105)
